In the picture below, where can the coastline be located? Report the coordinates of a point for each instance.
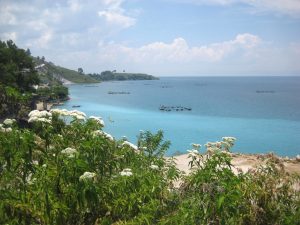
(245, 162)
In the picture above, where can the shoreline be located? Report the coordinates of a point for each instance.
(244, 162)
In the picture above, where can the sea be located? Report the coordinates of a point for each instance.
(262, 113)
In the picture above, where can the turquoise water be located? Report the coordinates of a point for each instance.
(263, 113)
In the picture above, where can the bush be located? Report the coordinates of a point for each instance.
(60, 172)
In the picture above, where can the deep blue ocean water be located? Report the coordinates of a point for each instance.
(263, 113)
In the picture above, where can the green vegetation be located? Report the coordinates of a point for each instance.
(74, 173)
(17, 77)
(53, 93)
(109, 75)
(26, 80)
(16, 67)
(51, 73)
(13, 103)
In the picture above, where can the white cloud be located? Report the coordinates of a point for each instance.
(7, 18)
(178, 51)
(115, 15)
(63, 24)
(74, 5)
(116, 18)
(245, 54)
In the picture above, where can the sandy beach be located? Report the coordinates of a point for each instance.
(245, 162)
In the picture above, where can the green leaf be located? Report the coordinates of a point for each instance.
(220, 201)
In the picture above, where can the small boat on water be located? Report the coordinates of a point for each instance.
(174, 108)
(76, 106)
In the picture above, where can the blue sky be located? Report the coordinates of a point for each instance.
(160, 37)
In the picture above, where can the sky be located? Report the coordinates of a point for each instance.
(160, 37)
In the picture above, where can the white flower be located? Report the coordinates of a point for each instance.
(79, 117)
(217, 144)
(226, 152)
(78, 113)
(86, 176)
(44, 120)
(62, 112)
(70, 152)
(5, 130)
(193, 152)
(40, 116)
(102, 133)
(196, 146)
(229, 139)
(133, 146)
(126, 172)
(29, 179)
(99, 120)
(74, 113)
(208, 144)
(9, 122)
(154, 167)
(33, 112)
(55, 111)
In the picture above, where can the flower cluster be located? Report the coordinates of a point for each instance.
(212, 147)
(98, 120)
(87, 176)
(73, 113)
(40, 116)
(126, 172)
(229, 139)
(193, 153)
(228, 142)
(102, 133)
(9, 122)
(3, 129)
(69, 152)
(196, 146)
(133, 146)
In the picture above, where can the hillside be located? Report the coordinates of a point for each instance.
(109, 75)
(50, 73)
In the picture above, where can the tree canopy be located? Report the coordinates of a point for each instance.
(16, 67)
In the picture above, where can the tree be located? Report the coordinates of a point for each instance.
(16, 67)
(28, 52)
(80, 70)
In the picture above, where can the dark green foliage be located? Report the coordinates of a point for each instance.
(53, 93)
(13, 103)
(109, 75)
(46, 183)
(39, 184)
(80, 70)
(16, 67)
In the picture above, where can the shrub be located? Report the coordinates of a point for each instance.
(66, 170)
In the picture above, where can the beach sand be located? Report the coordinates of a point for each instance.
(245, 162)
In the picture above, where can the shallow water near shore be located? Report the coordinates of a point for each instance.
(263, 113)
